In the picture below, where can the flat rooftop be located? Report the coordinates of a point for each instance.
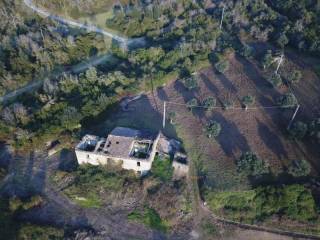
(121, 143)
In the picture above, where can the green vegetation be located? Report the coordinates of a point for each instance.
(251, 165)
(222, 66)
(299, 168)
(16, 203)
(90, 180)
(292, 201)
(149, 217)
(287, 100)
(275, 80)
(190, 82)
(213, 129)
(209, 102)
(298, 130)
(11, 228)
(192, 104)
(294, 76)
(247, 101)
(162, 168)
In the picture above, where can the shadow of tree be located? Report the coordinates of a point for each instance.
(271, 140)
(230, 138)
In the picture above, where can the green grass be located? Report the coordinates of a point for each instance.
(150, 218)
(162, 169)
(293, 201)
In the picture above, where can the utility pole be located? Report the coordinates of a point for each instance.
(279, 62)
(164, 114)
(293, 117)
(222, 16)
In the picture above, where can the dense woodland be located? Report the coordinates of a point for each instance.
(182, 36)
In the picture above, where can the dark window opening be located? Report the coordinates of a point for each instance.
(117, 142)
(138, 164)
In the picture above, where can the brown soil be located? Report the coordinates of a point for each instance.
(262, 131)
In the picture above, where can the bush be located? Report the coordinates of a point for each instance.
(251, 165)
(294, 76)
(190, 82)
(288, 100)
(247, 51)
(209, 103)
(222, 66)
(162, 169)
(293, 201)
(298, 130)
(149, 217)
(314, 128)
(213, 129)
(192, 103)
(248, 100)
(299, 168)
(275, 80)
(267, 59)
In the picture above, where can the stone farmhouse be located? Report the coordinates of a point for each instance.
(133, 149)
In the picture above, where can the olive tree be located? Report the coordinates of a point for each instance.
(222, 66)
(275, 79)
(294, 76)
(299, 168)
(192, 103)
(298, 130)
(209, 103)
(287, 100)
(190, 82)
(213, 129)
(250, 164)
(247, 101)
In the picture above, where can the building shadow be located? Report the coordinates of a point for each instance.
(271, 140)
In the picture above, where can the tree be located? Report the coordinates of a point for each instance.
(314, 128)
(213, 129)
(294, 76)
(299, 168)
(247, 51)
(282, 40)
(190, 82)
(70, 118)
(209, 103)
(298, 130)
(222, 66)
(247, 101)
(275, 80)
(267, 59)
(192, 103)
(251, 165)
(288, 100)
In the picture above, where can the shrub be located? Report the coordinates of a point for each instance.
(294, 76)
(293, 201)
(162, 169)
(275, 80)
(149, 217)
(314, 128)
(209, 102)
(298, 130)
(227, 104)
(287, 100)
(190, 82)
(247, 51)
(213, 129)
(299, 168)
(15, 203)
(248, 100)
(251, 165)
(222, 66)
(172, 117)
(192, 103)
(267, 59)
(282, 40)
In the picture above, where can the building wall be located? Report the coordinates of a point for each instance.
(97, 159)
